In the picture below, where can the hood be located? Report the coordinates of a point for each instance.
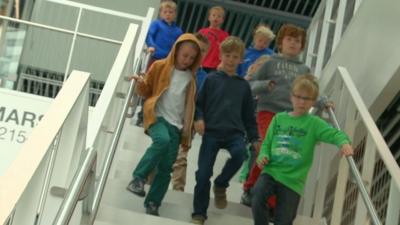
(185, 37)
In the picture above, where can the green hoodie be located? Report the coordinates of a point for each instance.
(289, 147)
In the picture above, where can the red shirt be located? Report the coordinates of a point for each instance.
(215, 36)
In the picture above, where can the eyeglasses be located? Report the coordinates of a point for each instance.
(303, 97)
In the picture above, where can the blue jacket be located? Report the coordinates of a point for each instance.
(162, 36)
(225, 103)
(250, 56)
(201, 75)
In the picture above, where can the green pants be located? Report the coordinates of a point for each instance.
(161, 155)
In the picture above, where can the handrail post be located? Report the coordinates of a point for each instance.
(353, 167)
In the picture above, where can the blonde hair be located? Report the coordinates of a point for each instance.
(217, 8)
(264, 31)
(307, 83)
(232, 44)
(168, 4)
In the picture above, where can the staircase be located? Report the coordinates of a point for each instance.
(119, 206)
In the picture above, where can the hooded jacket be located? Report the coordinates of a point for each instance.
(282, 71)
(157, 80)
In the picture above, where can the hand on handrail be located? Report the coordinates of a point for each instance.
(137, 78)
(346, 150)
(151, 49)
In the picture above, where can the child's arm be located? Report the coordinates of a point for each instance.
(260, 82)
(144, 85)
(265, 151)
(150, 38)
(199, 124)
(248, 116)
(326, 133)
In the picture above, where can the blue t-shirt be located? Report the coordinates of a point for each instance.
(162, 37)
(250, 56)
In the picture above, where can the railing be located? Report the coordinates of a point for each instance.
(84, 173)
(337, 198)
(103, 130)
(49, 157)
(326, 29)
(240, 18)
(56, 43)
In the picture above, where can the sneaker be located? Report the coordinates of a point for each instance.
(245, 199)
(220, 197)
(198, 219)
(136, 186)
(152, 209)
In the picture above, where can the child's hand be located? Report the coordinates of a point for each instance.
(256, 146)
(135, 77)
(151, 49)
(199, 126)
(271, 85)
(261, 163)
(329, 104)
(347, 150)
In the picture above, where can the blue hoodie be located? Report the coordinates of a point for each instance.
(250, 56)
(162, 37)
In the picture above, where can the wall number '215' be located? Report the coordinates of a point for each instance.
(12, 135)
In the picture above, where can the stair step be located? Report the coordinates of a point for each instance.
(116, 195)
(108, 215)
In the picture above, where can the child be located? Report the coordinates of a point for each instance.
(261, 39)
(251, 154)
(161, 36)
(180, 166)
(169, 88)
(163, 32)
(224, 114)
(215, 35)
(287, 153)
(271, 84)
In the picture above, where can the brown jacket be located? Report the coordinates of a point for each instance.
(158, 79)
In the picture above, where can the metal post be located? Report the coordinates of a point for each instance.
(46, 182)
(71, 51)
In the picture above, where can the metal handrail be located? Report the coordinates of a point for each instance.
(75, 189)
(110, 154)
(360, 184)
(78, 182)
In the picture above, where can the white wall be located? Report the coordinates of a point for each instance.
(370, 50)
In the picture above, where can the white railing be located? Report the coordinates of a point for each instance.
(49, 157)
(326, 30)
(337, 198)
(100, 137)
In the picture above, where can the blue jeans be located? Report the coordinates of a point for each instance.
(210, 146)
(287, 201)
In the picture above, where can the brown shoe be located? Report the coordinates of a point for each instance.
(220, 197)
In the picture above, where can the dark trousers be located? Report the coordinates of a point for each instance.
(210, 146)
(287, 201)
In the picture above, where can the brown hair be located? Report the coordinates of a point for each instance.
(307, 83)
(293, 31)
(232, 44)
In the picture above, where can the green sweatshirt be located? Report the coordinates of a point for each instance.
(289, 147)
